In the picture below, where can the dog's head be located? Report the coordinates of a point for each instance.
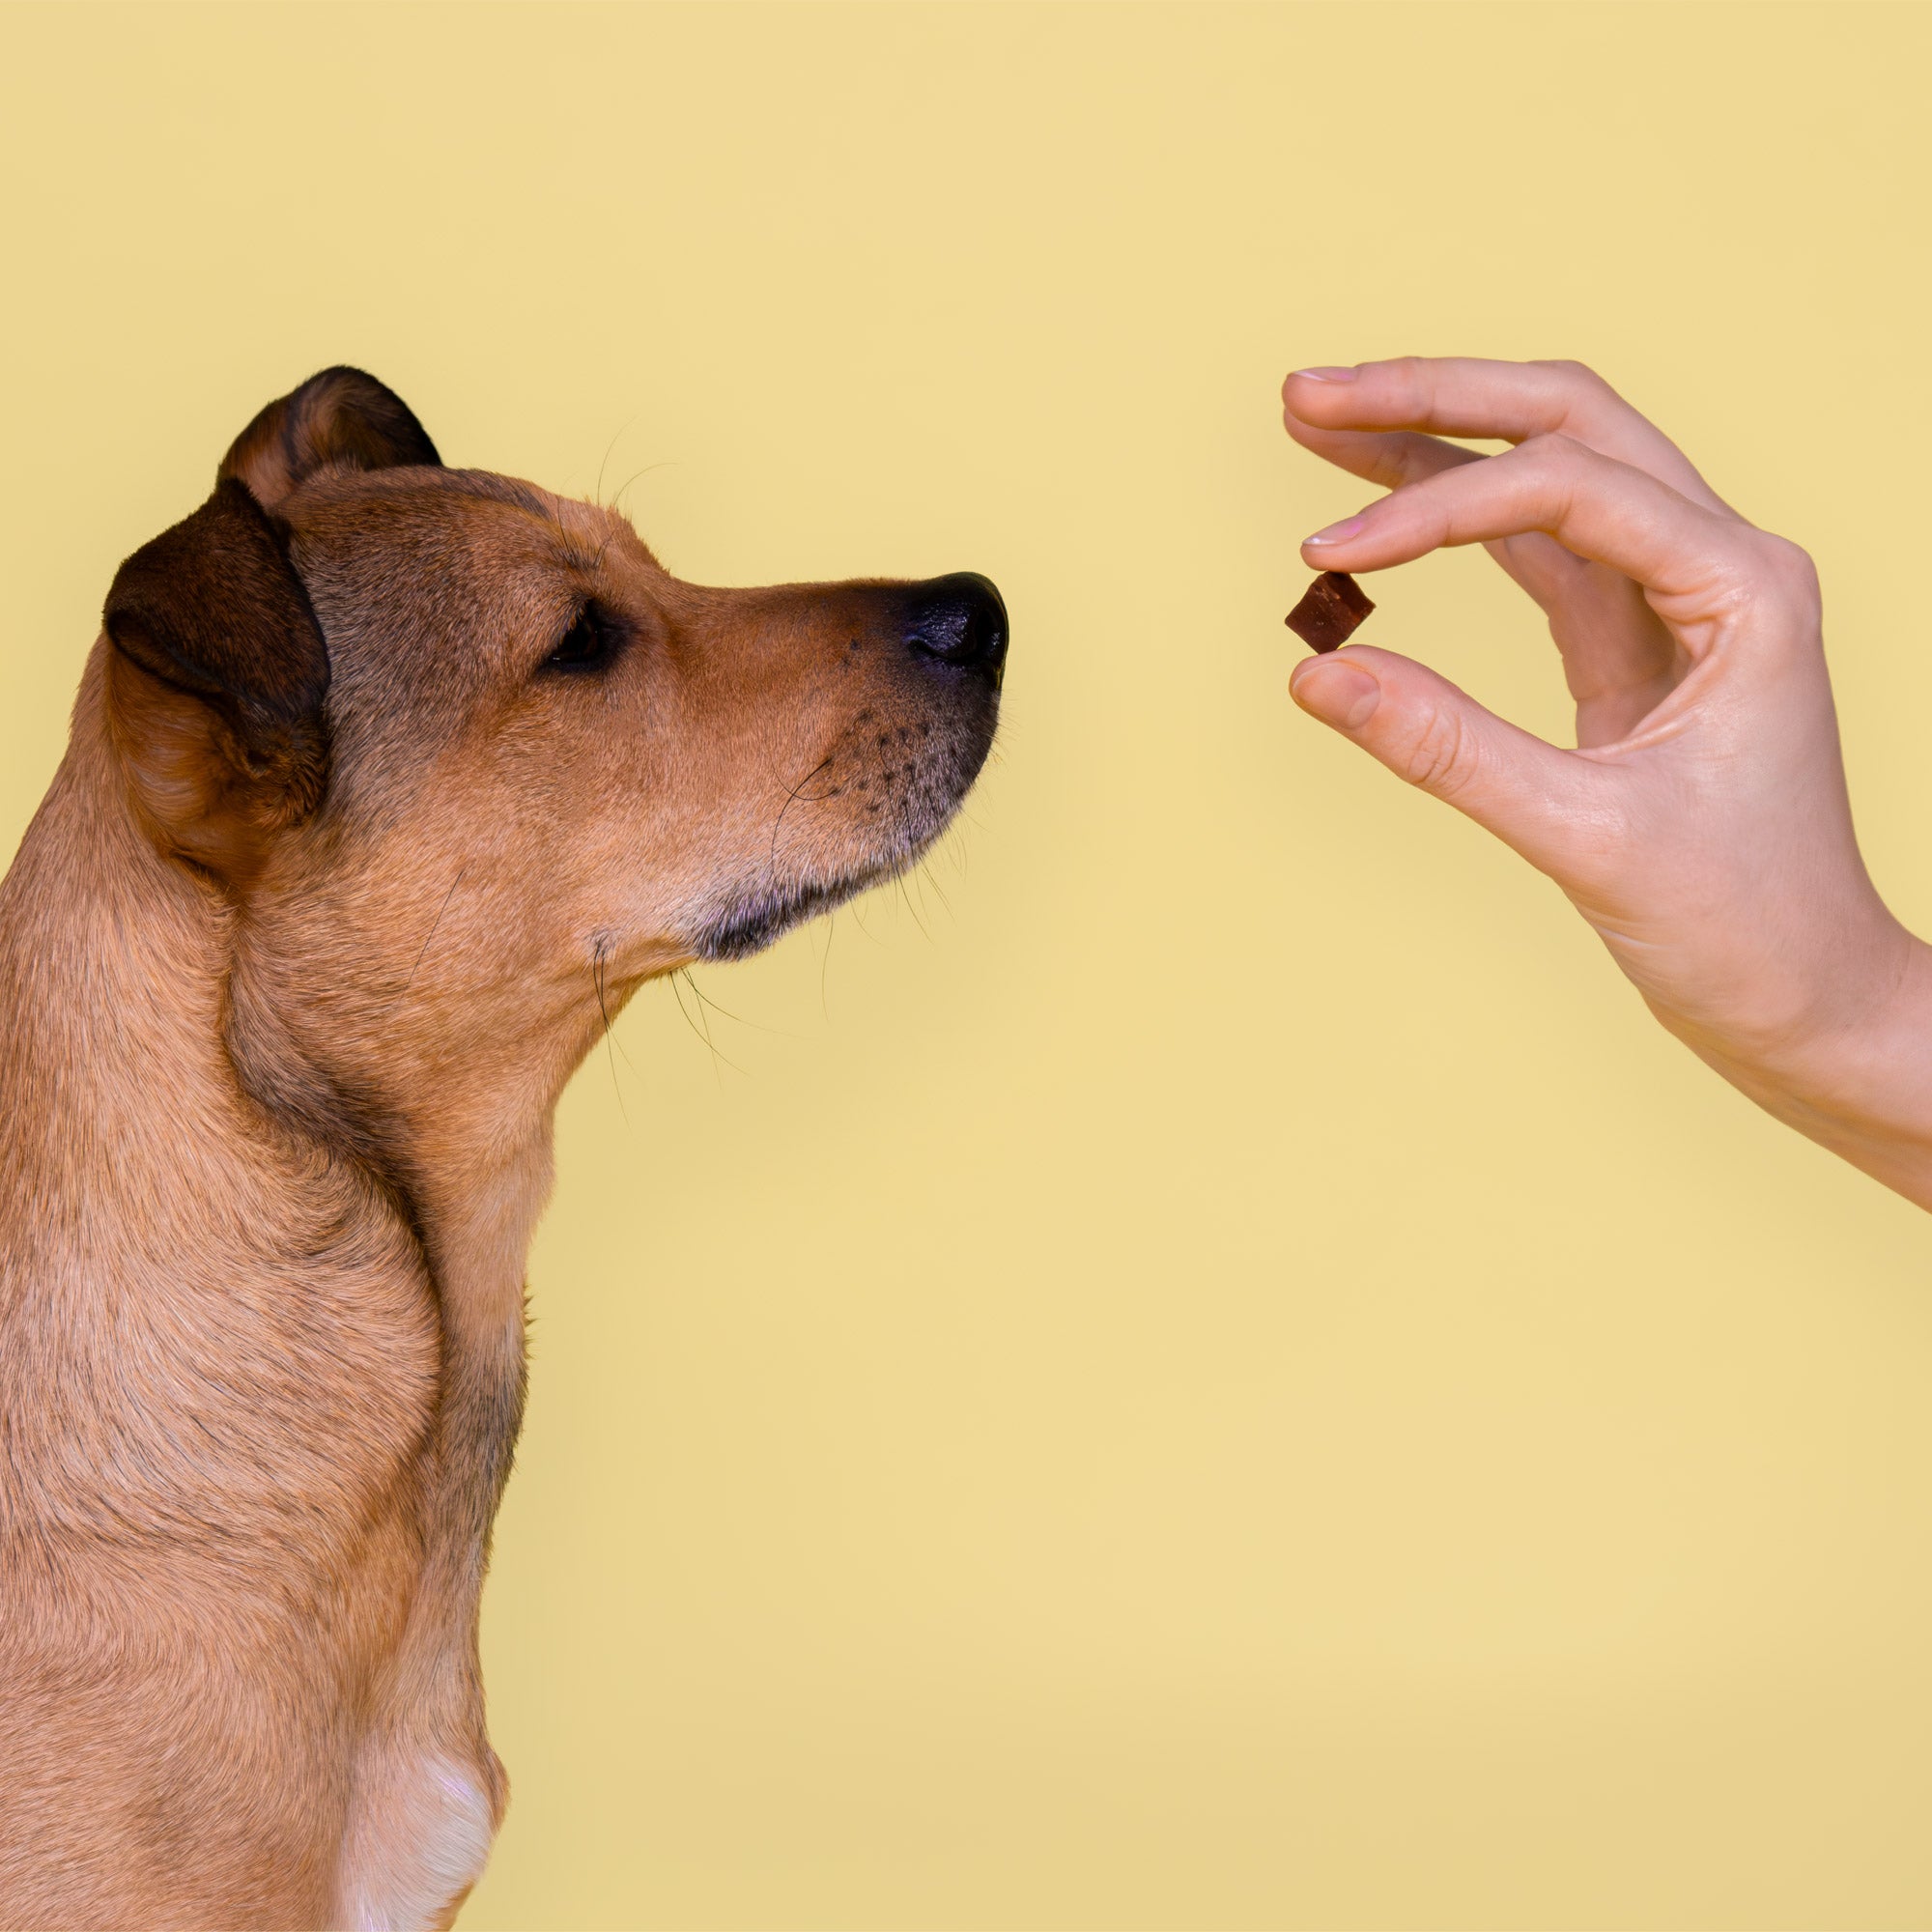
(431, 725)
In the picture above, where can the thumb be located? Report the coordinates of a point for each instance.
(1548, 803)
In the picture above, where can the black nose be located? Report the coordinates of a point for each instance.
(960, 620)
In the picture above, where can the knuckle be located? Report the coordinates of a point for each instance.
(1414, 376)
(1553, 449)
(1581, 395)
(1553, 470)
(1783, 575)
(1441, 758)
(1788, 564)
(1577, 373)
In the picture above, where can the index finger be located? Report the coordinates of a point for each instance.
(1466, 396)
(1610, 512)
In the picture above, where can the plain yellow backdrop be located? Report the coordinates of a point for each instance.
(1204, 1365)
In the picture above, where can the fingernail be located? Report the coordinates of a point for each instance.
(1328, 375)
(1335, 691)
(1337, 532)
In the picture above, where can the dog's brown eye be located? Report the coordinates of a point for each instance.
(590, 642)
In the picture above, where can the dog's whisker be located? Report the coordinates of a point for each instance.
(618, 500)
(825, 967)
(704, 1024)
(677, 994)
(428, 936)
(609, 450)
(912, 845)
(598, 956)
(701, 1026)
(791, 797)
(757, 1026)
(900, 886)
(926, 877)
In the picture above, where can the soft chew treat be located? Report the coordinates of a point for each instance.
(1327, 618)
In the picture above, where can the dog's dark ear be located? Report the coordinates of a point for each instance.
(340, 416)
(216, 685)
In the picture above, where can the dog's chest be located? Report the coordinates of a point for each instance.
(270, 1393)
(419, 1837)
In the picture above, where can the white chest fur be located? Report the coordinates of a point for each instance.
(419, 1840)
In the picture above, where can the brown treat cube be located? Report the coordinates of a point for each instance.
(1328, 616)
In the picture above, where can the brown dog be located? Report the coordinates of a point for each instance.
(388, 785)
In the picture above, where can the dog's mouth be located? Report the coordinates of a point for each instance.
(892, 826)
(751, 916)
(749, 924)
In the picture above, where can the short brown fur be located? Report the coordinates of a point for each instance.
(341, 877)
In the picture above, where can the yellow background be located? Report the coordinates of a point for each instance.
(1207, 1366)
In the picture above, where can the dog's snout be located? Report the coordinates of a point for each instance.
(960, 620)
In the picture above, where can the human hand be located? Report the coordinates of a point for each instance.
(1702, 825)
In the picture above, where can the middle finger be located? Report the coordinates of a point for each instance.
(1469, 396)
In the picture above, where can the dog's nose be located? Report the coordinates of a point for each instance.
(960, 620)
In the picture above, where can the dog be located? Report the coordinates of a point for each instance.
(388, 785)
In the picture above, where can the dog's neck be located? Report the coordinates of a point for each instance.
(464, 1161)
(147, 1095)
(261, 1367)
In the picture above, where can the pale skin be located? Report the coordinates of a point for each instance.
(1702, 825)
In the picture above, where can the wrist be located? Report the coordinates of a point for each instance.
(1852, 1070)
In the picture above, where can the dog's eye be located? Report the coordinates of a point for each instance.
(590, 642)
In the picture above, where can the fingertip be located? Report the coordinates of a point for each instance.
(1341, 692)
(1336, 536)
(1311, 384)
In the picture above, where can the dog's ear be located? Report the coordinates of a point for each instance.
(340, 416)
(216, 680)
